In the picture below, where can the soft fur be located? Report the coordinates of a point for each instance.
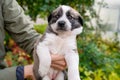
(64, 24)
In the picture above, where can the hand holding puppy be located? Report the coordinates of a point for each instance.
(58, 63)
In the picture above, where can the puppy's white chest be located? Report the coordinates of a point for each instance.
(59, 45)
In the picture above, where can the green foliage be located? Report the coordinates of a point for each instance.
(98, 74)
(99, 59)
(40, 28)
(44, 7)
(113, 76)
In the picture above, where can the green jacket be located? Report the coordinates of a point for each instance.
(13, 20)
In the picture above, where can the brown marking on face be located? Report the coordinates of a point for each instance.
(75, 13)
(55, 15)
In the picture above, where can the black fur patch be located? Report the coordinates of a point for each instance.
(75, 20)
(55, 15)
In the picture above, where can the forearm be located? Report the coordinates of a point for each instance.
(8, 74)
(17, 73)
(19, 26)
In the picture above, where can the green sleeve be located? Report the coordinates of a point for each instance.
(18, 25)
(8, 74)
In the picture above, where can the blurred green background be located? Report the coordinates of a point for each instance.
(99, 57)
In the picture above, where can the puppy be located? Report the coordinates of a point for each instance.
(64, 24)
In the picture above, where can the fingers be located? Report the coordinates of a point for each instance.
(58, 67)
(58, 62)
(56, 57)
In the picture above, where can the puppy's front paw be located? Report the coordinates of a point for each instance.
(43, 71)
(74, 79)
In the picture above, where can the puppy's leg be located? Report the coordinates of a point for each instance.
(44, 59)
(60, 76)
(36, 66)
(46, 78)
(72, 60)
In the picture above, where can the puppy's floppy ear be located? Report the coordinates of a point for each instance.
(49, 17)
(80, 20)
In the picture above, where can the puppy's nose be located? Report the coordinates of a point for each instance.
(61, 23)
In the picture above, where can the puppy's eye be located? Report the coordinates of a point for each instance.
(56, 16)
(70, 17)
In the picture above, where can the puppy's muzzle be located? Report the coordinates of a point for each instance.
(61, 25)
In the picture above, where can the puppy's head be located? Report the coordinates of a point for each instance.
(64, 19)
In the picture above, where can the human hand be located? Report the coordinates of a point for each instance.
(58, 62)
(28, 72)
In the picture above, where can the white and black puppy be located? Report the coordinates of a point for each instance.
(65, 24)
